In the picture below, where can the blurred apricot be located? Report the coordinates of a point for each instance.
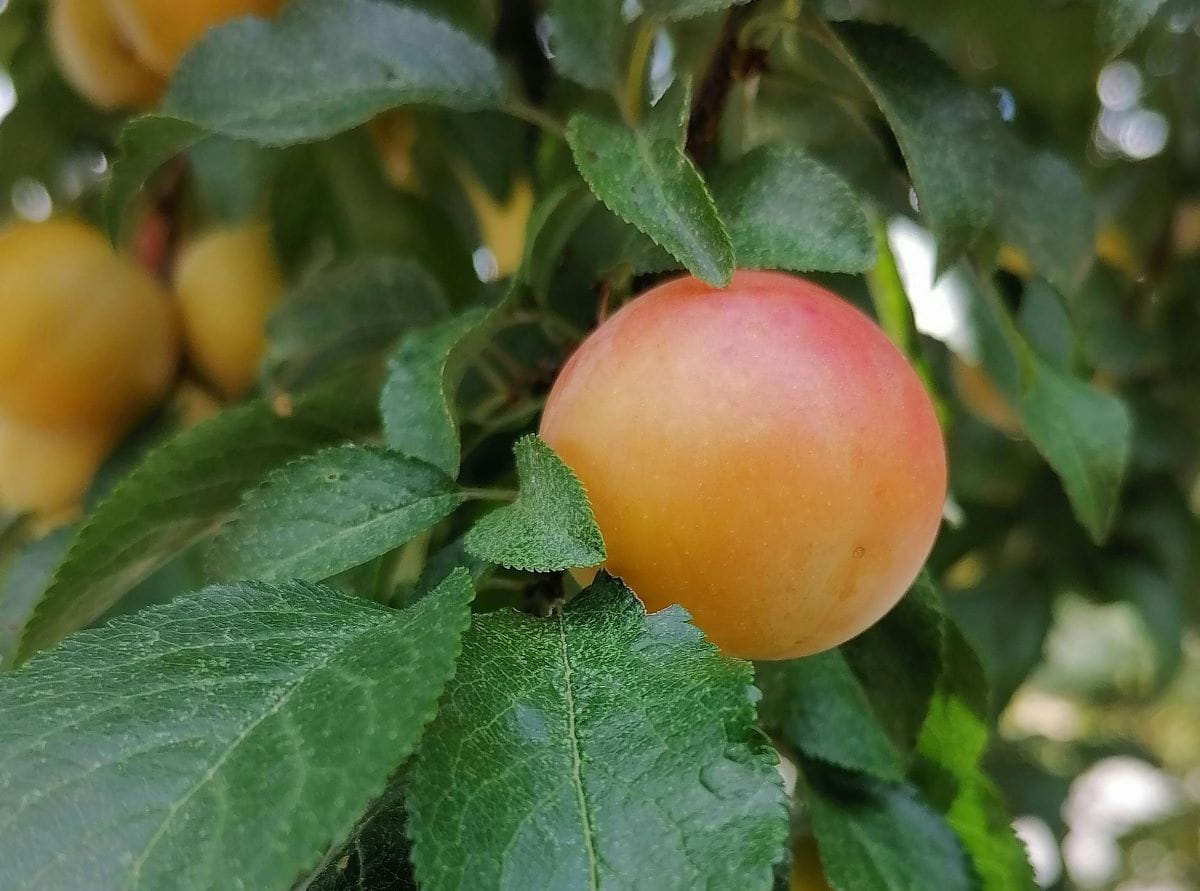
(95, 59)
(46, 473)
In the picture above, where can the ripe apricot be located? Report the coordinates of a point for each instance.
(760, 454)
(88, 337)
(95, 59)
(227, 283)
(47, 472)
(161, 32)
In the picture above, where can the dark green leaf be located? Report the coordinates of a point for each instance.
(327, 67)
(554, 221)
(376, 857)
(1043, 320)
(330, 512)
(351, 311)
(943, 127)
(586, 38)
(1084, 434)
(231, 177)
(786, 210)
(679, 10)
(180, 494)
(644, 177)
(22, 581)
(598, 747)
(550, 527)
(146, 144)
(817, 706)
(1120, 21)
(232, 735)
(417, 399)
(877, 836)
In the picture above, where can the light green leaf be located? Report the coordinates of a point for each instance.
(417, 398)
(1121, 21)
(877, 836)
(587, 38)
(597, 748)
(145, 144)
(330, 512)
(181, 494)
(644, 177)
(786, 210)
(230, 736)
(943, 127)
(350, 311)
(325, 67)
(817, 706)
(550, 527)
(1084, 434)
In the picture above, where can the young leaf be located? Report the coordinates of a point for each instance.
(330, 512)
(146, 143)
(353, 310)
(235, 732)
(877, 836)
(324, 67)
(644, 177)
(786, 210)
(1084, 434)
(598, 747)
(587, 38)
(1120, 21)
(180, 494)
(550, 527)
(944, 130)
(818, 707)
(1045, 210)
(416, 402)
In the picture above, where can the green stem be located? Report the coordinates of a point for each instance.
(635, 80)
(485, 494)
(534, 115)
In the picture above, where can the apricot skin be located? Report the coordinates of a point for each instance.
(227, 283)
(94, 58)
(89, 339)
(161, 32)
(760, 454)
(47, 472)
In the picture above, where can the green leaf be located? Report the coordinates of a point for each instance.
(145, 144)
(599, 747)
(1120, 21)
(234, 733)
(553, 223)
(877, 836)
(948, 771)
(587, 39)
(909, 636)
(180, 494)
(550, 527)
(375, 857)
(231, 177)
(353, 310)
(943, 127)
(786, 210)
(22, 581)
(330, 512)
(644, 177)
(417, 398)
(680, 10)
(817, 706)
(1045, 210)
(324, 67)
(1084, 434)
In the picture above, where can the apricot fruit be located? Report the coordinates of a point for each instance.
(761, 454)
(46, 473)
(162, 32)
(227, 283)
(88, 339)
(95, 59)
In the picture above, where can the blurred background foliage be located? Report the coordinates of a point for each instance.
(1093, 651)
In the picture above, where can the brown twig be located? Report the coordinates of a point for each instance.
(730, 63)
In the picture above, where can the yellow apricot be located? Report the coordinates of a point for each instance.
(983, 398)
(46, 473)
(501, 226)
(760, 454)
(88, 339)
(95, 59)
(161, 31)
(227, 283)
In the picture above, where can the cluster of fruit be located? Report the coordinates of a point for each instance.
(91, 342)
(120, 53)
